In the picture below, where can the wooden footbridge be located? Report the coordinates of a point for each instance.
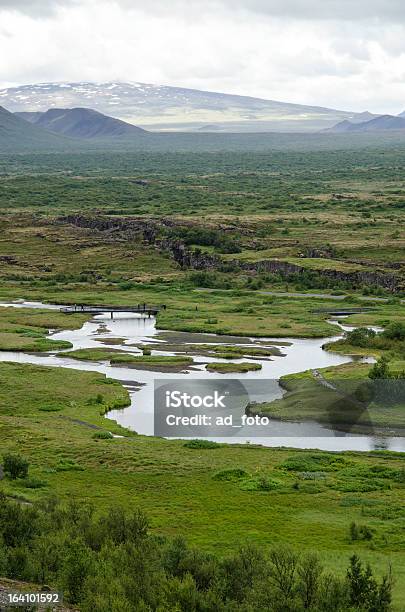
(143, 309)
(343, 311)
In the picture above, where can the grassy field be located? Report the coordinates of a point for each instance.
(330, 216)
(27, 330)
(306, 212)
(355, 397)
(225, 368)
(237, 312)
(120, 357)
(345, 407)
(245, 314)
(242, 313)
(332, 239)
(307, 499)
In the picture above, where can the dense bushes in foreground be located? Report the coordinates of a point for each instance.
(111, 562)
(391, 339)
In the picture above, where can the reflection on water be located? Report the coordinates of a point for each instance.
(300, 354)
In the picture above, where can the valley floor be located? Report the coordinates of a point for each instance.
(275, 501)
(260, 244)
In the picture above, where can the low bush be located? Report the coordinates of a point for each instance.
(231, 475)
(110, 561)
(360, 532)
(33, 483)
(201, 444)
(103, 435)
(15, 466)
(260, 483)
(66, 465)
(313, 462)
(50, 408)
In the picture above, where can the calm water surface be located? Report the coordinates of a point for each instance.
(299, 355)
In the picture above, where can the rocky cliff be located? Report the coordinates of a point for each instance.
(150, 231)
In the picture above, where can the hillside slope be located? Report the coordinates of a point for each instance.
(18, 134)
(174, 108)
(382, 123)
(82, 123)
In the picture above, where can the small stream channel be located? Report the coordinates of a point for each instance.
(297, 355)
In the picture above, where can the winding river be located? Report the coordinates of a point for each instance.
(297, 355)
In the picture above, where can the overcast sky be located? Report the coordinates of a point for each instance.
(346, 54)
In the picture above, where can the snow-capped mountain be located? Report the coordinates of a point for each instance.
(173, 108)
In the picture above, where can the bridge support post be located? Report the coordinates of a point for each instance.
(112, 315)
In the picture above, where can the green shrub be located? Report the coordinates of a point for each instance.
(103, 435)
(201, 444)
(92, 401)
(33, 483)
(126, 286)
(365, 593)
(66, 465)
(380, 369)
(395, 331)
(110, 560)
(360, 470)
(231, 475)
(50, 408)
(313, 462)
(260, 483)
(309, 487)
(360, 336)
(15, 466)
(361, 485)
(360, 532)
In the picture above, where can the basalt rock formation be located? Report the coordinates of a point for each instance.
(357, 278)
(150, 231)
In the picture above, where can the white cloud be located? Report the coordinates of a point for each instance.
(271, 49)
(345, 10)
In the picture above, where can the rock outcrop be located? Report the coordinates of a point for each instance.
(150, 231)
(356, 278)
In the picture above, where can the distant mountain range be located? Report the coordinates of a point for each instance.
(377, 124)
(70, 129)
(82, 123)
(157, 107)
(16, 133)
(64, 129)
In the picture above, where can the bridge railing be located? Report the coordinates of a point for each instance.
(342, 309)
(137, 308)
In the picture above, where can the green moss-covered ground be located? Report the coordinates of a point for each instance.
(116, 357)
(225, 368)
(326, 207)
(27, 329)
(306, 499)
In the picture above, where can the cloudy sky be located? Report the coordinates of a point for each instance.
(347, 54)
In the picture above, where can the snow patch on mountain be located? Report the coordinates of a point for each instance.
(164, 107)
